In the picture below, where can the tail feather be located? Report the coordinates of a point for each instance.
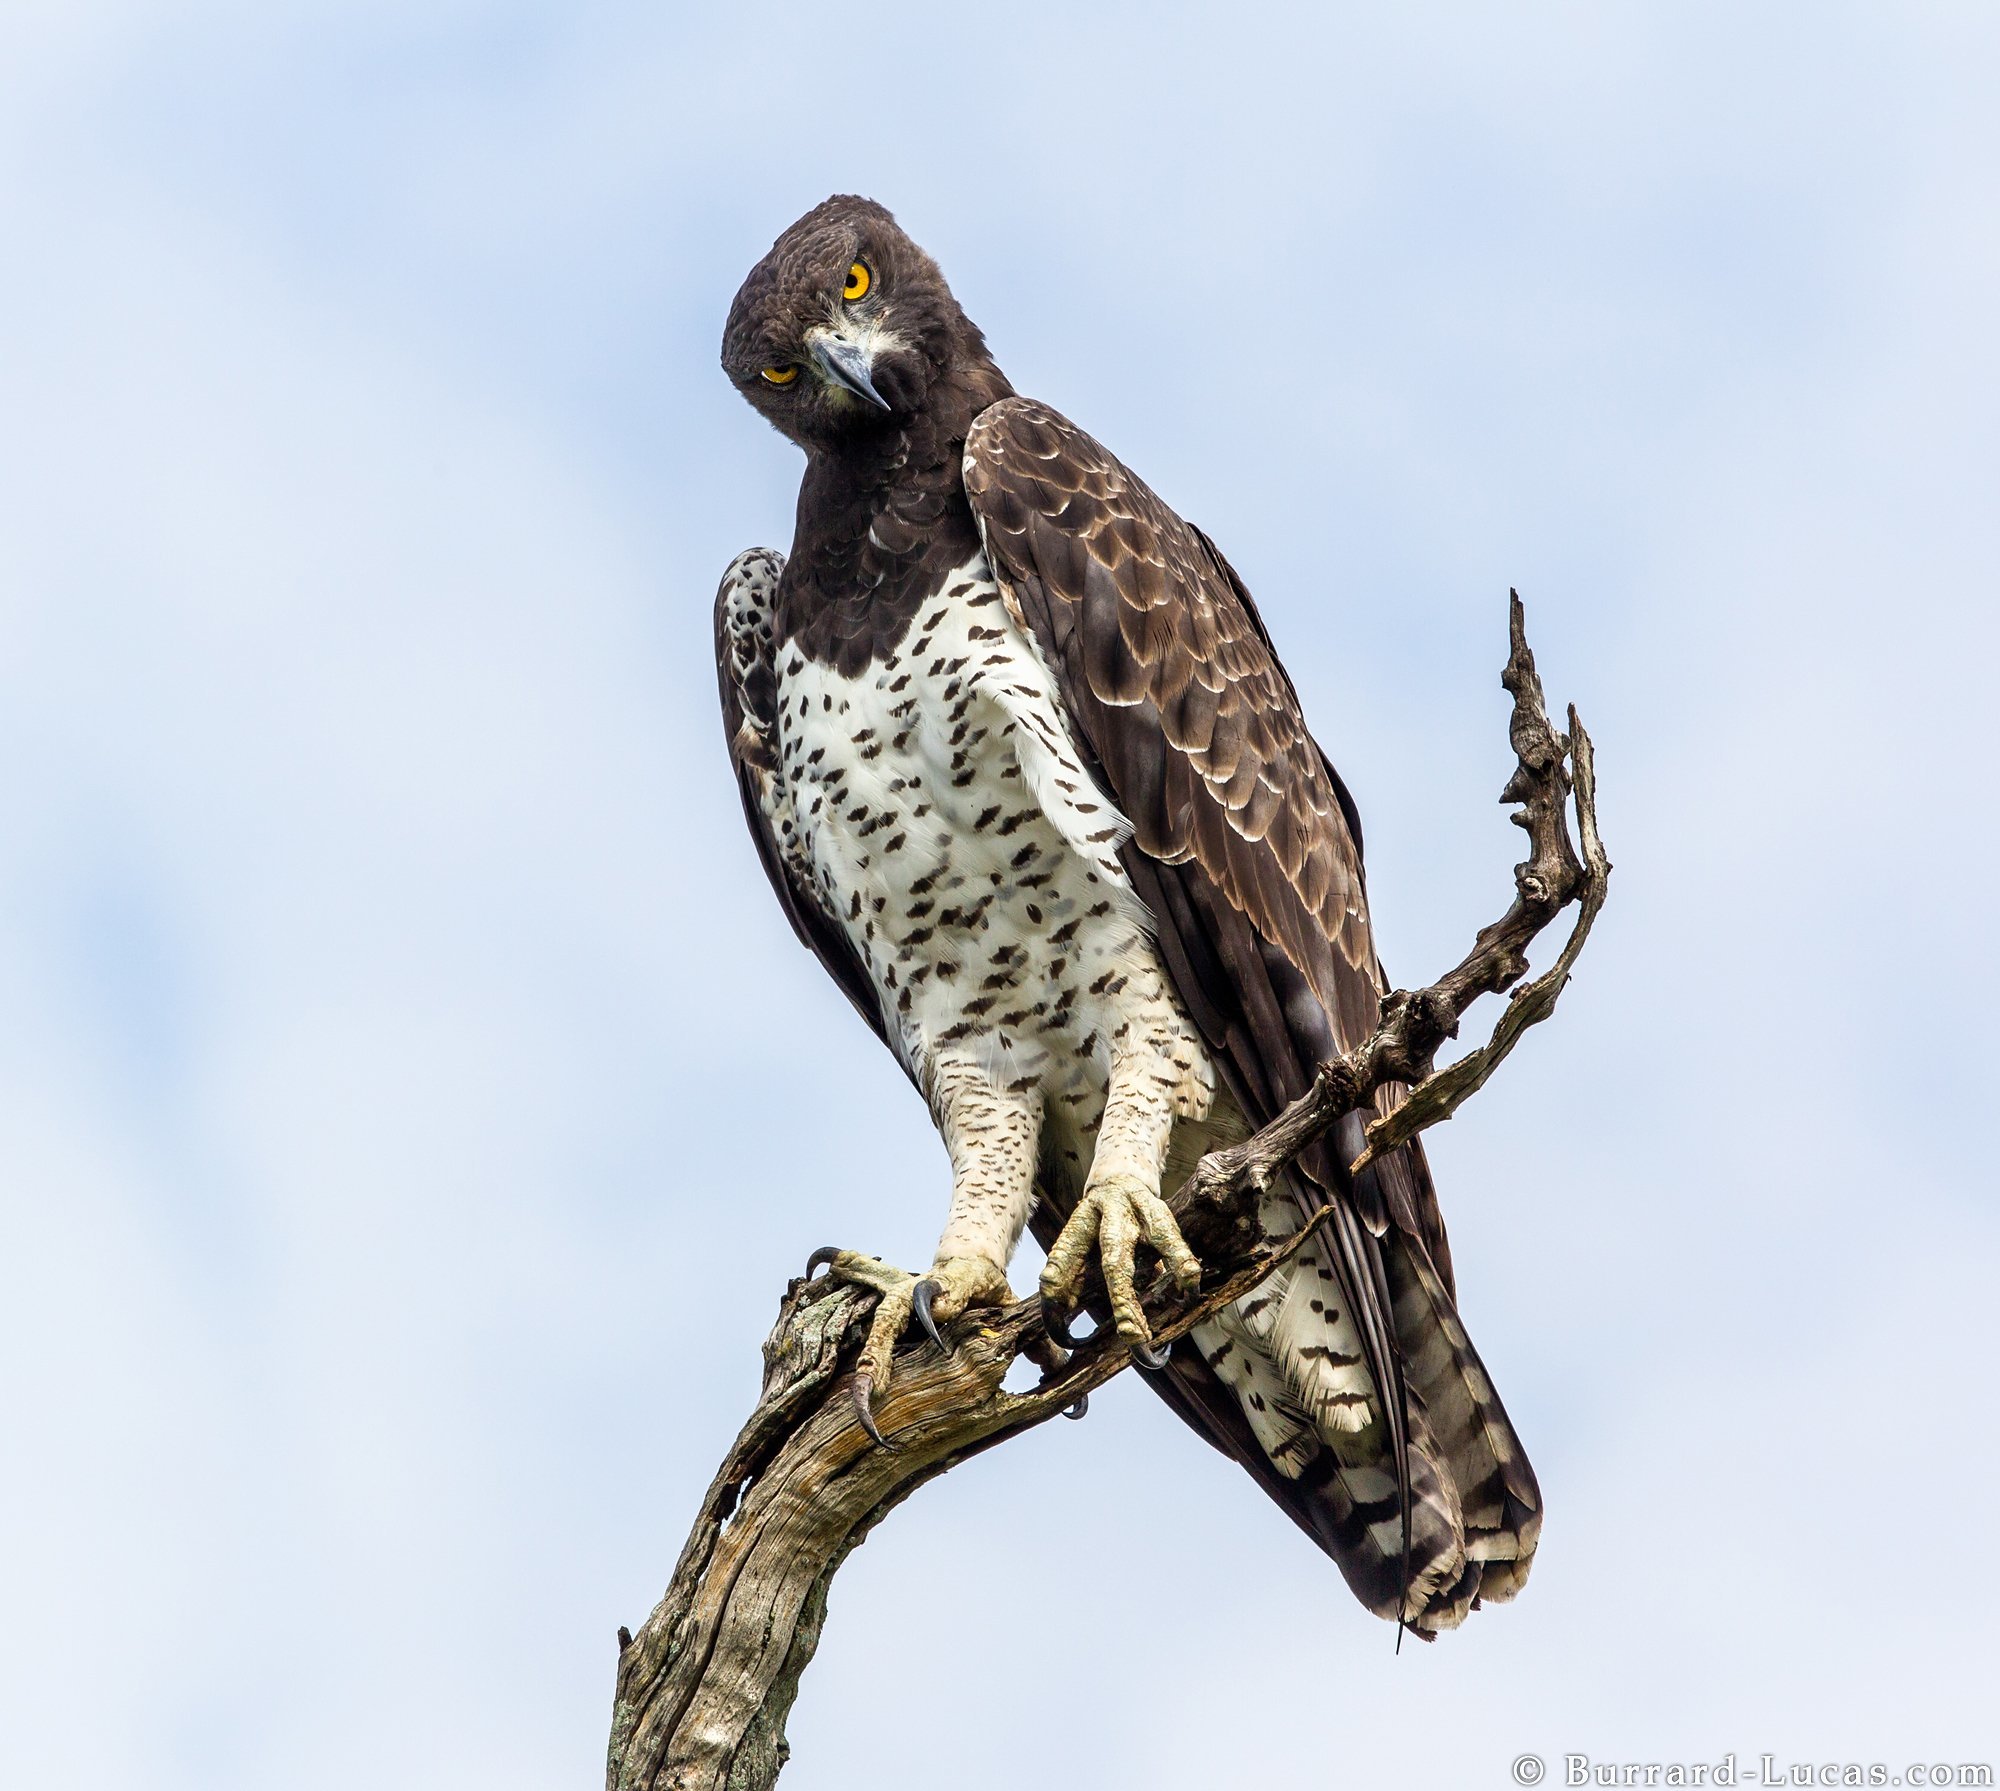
(1497, 1490)
(1287, 1362)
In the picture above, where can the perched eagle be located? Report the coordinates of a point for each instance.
(1030, 782)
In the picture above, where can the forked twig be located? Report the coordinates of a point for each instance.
(1414, 1026)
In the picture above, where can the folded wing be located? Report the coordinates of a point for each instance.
(1246, 848)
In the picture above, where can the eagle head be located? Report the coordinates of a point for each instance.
(846, 329)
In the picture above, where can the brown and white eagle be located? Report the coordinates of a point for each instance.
(1030, 782)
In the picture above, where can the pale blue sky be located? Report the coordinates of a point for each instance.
(411, 1102)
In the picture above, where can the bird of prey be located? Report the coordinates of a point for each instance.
(1029, 780)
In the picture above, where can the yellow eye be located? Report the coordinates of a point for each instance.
(781, 376)
(859, 279)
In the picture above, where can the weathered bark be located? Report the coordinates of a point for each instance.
(705, 1686)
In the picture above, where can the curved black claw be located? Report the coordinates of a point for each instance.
(1155, 1359)
(1057, 1326)
(819, 1259)
(1078, 1406)
(863, 1389)
(921, 1297)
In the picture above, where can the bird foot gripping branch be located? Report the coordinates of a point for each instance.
(955, 1285)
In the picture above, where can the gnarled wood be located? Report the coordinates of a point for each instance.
(705, 1686)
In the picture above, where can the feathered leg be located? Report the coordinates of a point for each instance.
(992, 1131)
(1121, 1204)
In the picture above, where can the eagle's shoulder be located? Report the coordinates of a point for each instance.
(1022, 454)
(1034, 428)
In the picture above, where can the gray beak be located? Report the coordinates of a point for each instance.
(845, 364)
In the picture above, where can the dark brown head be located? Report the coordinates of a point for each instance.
(846, 330)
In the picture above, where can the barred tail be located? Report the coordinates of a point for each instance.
(1280, 1381)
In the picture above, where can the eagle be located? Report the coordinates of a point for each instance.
(1029, 780)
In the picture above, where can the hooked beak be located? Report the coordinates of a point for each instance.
(845, 364)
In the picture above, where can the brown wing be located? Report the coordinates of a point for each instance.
(1244, 841)
(1246, 848)
(746, 671)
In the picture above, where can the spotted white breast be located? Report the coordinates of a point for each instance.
(942, 814)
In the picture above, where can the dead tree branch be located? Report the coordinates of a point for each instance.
(705, 1686)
